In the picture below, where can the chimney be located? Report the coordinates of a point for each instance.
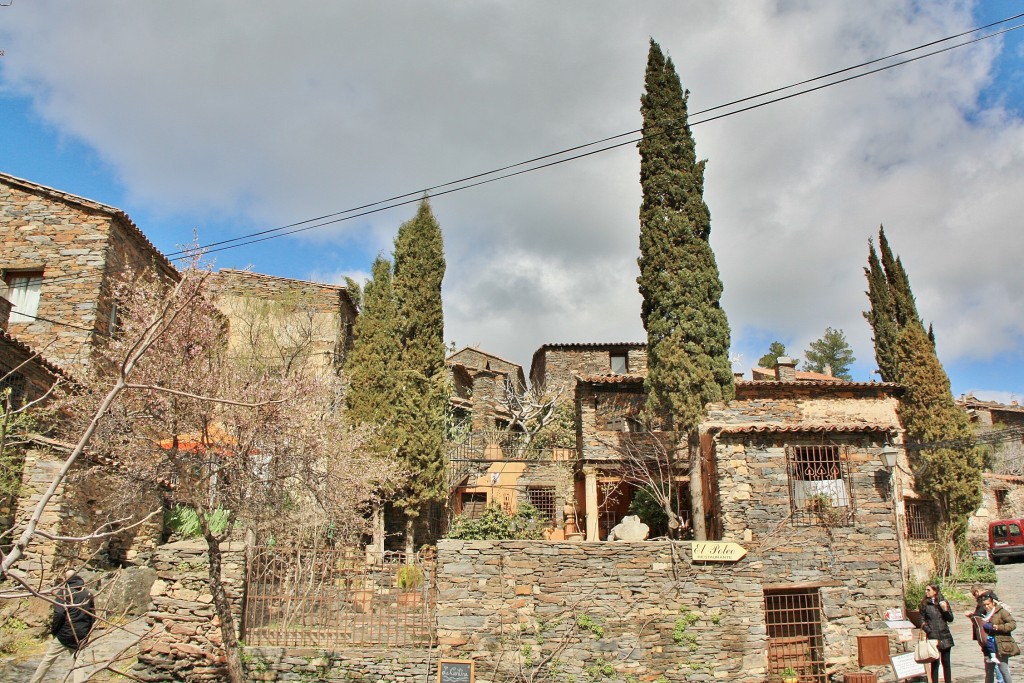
(785, 369)
(828, 369)
(738, 376)
(5, 313)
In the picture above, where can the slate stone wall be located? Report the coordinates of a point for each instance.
(642, 610)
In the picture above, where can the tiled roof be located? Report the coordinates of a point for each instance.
(611, 379)
(971, 402)
(39, 359)
(842, 384)
(89, 204)
(595, 345)
(790, 427)
(483, 353)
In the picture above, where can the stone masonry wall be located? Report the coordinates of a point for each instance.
(560, 363)
(295, 320)
(641, 610)
(186, 640)
(72, 241)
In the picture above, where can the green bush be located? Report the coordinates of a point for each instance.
(914, 594)
(184, 521)
(495, 524)
(976, 570)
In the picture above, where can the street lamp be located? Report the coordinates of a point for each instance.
(888, 456)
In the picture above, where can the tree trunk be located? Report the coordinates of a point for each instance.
(410, 535)
(696, 487)
(377, 543)
(222, 605)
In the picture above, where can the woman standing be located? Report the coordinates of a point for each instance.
(935, 618)
(999, 623)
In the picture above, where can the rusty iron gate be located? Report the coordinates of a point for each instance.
(329, 597)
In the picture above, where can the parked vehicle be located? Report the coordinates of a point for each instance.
(1005, 539)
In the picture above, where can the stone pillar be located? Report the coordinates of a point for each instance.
(593, 514)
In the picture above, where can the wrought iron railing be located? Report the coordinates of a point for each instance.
(330, 597)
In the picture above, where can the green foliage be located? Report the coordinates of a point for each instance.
(559, 432)
(409, 576)
(184, 521)
(601, 668)
(830, 350)
(687, 331)
(585, 622)
(789, 672)
(906, 354)
(680, 631)
(496, 524)
(422, 398)
(775, 350)
(976, 570)
(369, 366)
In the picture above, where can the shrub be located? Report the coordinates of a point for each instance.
(976, 570)
(184, 521)
(526, 524)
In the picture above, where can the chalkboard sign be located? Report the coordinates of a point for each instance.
(456, 671)
(904, 666)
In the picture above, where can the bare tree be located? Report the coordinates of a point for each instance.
(170, 405)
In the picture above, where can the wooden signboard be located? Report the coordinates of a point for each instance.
(716, 551)
(456, 671)
(904, 666)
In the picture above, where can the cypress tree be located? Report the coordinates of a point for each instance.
(370, 363)
(687, 331)
(906, 354)
(418, 272)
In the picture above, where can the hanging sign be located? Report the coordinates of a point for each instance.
(716, 551)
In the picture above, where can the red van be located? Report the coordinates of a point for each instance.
(1005, 539)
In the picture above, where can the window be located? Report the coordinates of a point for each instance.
(474, 504)
(618, 363)
(14, 381)
(793, 620)
(23, 292)
(543, 498)
(921, 520)
(819, 485)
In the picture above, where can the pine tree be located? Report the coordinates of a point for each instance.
(418, 272)
(906, 354)
(687, 331)
(775, 351)
(830, 351)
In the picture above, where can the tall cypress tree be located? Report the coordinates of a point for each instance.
(370, 369)
(371, 362)
(906, 354)
(419, 270)
(687, 331)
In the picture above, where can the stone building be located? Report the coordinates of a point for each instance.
(61, 256)
(289, 324)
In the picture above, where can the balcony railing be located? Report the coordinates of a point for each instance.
(473, 453)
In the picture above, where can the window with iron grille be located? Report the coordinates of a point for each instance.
(922, 521)
(14, 381)
(793, 619)
(543, 498)
(819, 485)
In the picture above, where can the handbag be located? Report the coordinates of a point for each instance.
(926, 650)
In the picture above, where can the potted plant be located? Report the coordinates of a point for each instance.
(913, 596)
(409, 579)
(789, 675)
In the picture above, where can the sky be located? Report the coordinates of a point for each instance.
(217, 120)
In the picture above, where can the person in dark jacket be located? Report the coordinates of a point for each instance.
(935, 618)
(74, 612)
(1000, 624)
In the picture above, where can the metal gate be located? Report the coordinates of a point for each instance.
(329, 597)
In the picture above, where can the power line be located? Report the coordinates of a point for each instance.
(531, 164)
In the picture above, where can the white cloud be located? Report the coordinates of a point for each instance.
(278, 112)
